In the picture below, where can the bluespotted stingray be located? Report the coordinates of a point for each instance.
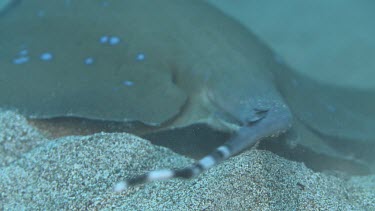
(166, 63)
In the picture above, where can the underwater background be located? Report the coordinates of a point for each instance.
(94, 92)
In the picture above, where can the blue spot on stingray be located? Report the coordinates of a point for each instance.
(114, 40)
(128, 83)
(21, 60)
(141, 57)
(89, 60)
(104, 39)
(46, 56)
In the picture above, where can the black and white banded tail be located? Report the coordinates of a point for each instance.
(272, 124)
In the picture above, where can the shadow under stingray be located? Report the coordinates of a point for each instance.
(198, 140)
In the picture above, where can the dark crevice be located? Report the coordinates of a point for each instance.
(194, 141)
(198, 140)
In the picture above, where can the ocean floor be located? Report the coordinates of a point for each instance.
(78, 173)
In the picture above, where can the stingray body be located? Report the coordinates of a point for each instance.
(166, 63)
(134, 61)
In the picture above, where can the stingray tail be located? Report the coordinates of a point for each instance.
(277, 121)
(221, 153)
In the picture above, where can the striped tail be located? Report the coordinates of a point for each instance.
(220, 154)
(245, 138)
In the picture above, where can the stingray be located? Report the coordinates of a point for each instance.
(166, 64)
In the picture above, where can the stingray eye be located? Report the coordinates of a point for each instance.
(256, 115)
